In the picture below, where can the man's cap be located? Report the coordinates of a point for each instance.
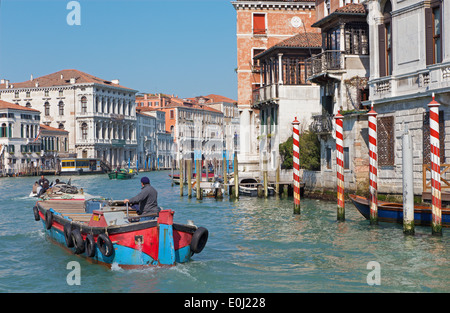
(145, 180)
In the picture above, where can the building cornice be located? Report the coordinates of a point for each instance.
(273, 5)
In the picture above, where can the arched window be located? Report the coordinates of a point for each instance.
(84, 131)
(61, 126)
(83, 104)
(47, 108)
(4, 130)
(61, 108)
(28, 105)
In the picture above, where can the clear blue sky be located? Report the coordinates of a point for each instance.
(184, 47)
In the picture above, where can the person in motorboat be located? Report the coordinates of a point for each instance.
(44, 187)
(146, 201)
(42, 181)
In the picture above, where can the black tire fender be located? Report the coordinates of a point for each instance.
(105, 245)
(48, 219)
(78, 241)
(36, 213)
(199, 240)
(90, 246)
(68, 235)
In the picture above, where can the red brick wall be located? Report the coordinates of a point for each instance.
(278, 28)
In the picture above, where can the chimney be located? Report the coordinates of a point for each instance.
(62, 76)
(7, 83)
(31, 78)
(73, 80)
(115, 81)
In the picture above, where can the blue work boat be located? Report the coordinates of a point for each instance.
(105, 232)
(393, 212)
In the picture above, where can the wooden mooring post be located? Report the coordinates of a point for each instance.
(436, 204)
(189, 177)
(198, 165)
(236, 177)
(266, 178)
(373, 167)
(296, 159)
(340, 166)
(181, 177)
(408, 184)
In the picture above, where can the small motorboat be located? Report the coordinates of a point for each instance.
(106, 232)
(249, 187)
(176, 177)
(209, 189)
(59, 190)
(393, 212)
(122, 174)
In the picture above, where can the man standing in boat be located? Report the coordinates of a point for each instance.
(146, 201)
(44, 183)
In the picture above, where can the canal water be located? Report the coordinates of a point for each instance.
(255, 245)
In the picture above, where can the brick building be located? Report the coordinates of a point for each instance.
(261, 25)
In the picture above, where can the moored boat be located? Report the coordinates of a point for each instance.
(105, 232)
(249, 187)
(122, 174)
(209, 189)
(60, 191)
(393, 212)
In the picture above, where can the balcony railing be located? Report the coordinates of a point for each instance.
(322, 124)
(264, 93)
(325, 61)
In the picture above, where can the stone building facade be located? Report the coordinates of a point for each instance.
(260, 25)
(99, 114)
(410, 61)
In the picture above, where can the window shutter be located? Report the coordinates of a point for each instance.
(428, 36)
(382, 49)
(259, 23)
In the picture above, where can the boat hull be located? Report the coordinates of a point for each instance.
(121, 175)
(393, 212)
(135, 245)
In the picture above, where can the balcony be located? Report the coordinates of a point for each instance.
(433, 77)
(264, 94)
(323, 123)
(330, 60)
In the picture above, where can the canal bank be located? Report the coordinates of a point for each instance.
(255, 245)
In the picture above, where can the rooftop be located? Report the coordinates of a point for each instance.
(63, 78)
(355, 9)
(45, 127)
(13, 106)
(301, 40)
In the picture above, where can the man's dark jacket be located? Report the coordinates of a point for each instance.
(147, 199)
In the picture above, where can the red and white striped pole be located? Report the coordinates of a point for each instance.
(436, 215)
(296, 160)
(340, 165)
(373, 166)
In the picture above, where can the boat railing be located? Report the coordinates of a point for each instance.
(426, 184)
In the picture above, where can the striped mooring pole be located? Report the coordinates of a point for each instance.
(296, 160)
(340, 166)
(436, 217)
(373, 167)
